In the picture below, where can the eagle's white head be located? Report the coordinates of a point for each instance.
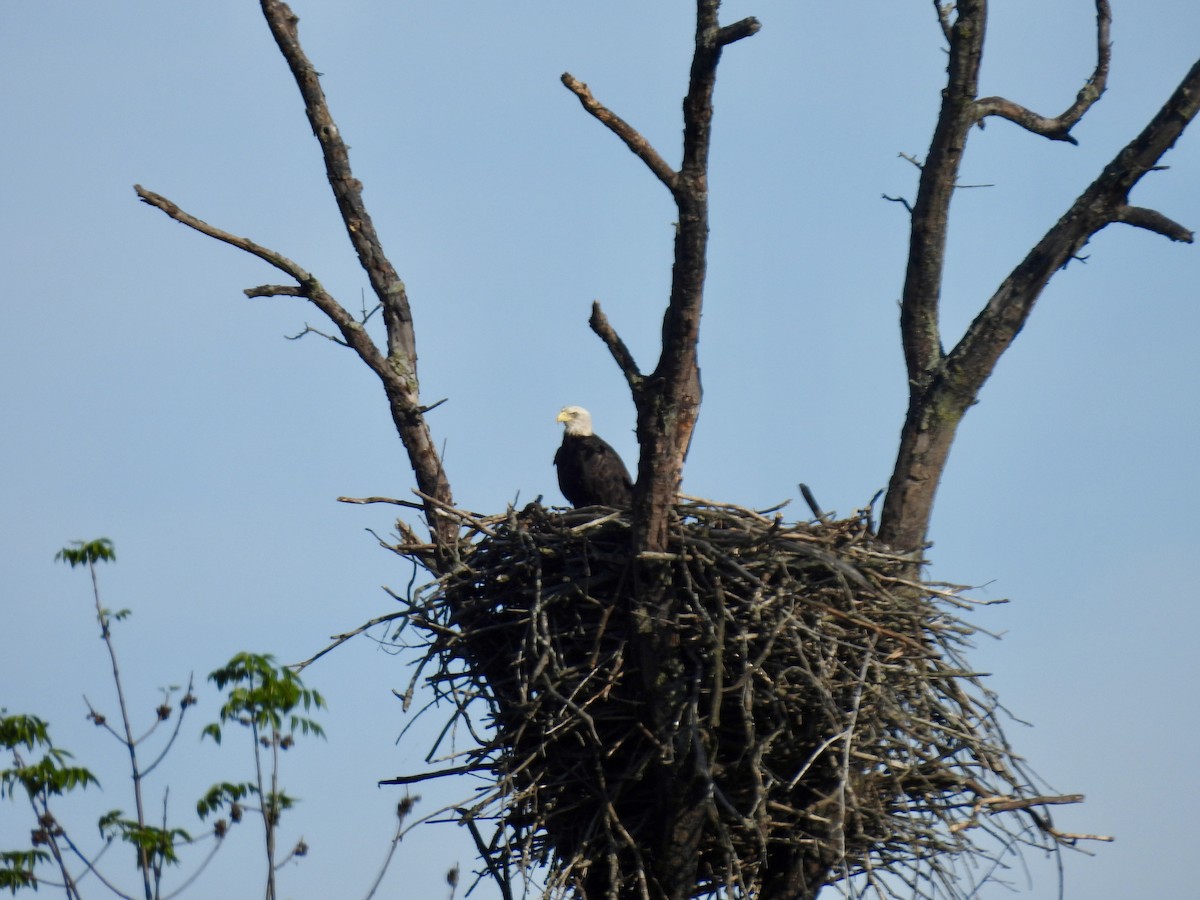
(577, 420)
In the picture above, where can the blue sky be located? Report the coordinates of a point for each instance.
(145, 399)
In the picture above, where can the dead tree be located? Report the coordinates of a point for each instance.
(679, 838)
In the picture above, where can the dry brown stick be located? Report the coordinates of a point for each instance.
(391, 500)
(1003, 803)
(743, 510)
(627, 133)
(1072, 836)
(427, 776)
(339, 639)
(620, 352)
(476, 521)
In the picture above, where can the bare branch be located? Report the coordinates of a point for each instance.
(309, 288)
(1008, 803)
(308, 329)
(738, 30)
(278, 260)
(338, 639)
(398, 371)
(410, 504)
(668, 400)
(600, 325)
(428, 776)
(1105, 201)
(622, 129)
(347, 189)
(1058, 128)
(275, 290)
(1153, 220)
(901, 200)
(669, 405)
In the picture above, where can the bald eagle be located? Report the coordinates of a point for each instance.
(590, 473)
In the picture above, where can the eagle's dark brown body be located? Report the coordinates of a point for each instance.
(590, 473)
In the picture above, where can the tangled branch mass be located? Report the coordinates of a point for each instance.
(822, 702)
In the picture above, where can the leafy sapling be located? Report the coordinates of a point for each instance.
(267, 699)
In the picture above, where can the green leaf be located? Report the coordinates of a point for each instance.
(87, 552)
(263, 694)
(16, 868)
(158, 844)
(212, 730)
(46, 777)
(21, 730)
(221, 795)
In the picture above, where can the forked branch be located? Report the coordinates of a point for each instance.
(308, 286)
(965, 27)
(1104, 202)
(347, 190)
(396, 364)
(668, 399)
(942, 386)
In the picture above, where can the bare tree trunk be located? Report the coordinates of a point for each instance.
(668, 404)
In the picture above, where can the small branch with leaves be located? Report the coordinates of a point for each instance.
(53, 775)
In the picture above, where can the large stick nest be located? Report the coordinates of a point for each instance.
(816, 694)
